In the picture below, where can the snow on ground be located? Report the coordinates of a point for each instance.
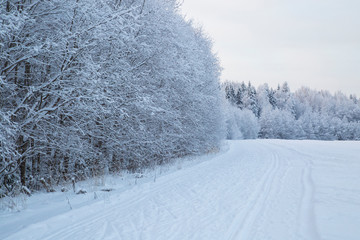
(257, 189)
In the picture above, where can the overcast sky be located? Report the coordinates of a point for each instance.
(314, 43)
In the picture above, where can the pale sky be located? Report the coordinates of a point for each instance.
(314, 43)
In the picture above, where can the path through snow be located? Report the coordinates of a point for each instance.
(261, 189)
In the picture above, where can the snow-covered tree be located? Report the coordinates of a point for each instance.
(304, 114)
(91, 87)
(241, 124)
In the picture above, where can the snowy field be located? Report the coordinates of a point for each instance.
(260, 189)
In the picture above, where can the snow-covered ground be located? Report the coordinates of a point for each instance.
(259, 189)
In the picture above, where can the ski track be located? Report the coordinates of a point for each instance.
(307, 224)
(241, 226)
(263, 189)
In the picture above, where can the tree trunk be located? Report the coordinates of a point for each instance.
(27, 74)
(23, 171)
(33, 159)
(8, 6)
(142, 7)
(22, 161)
(38, 165)
(66, 166)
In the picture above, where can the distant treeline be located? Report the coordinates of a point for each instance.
(280, 113)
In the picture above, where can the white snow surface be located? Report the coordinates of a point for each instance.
(255, 189)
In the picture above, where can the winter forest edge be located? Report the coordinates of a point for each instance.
(95, 87)
(281, 114)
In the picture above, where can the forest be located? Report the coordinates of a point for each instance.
(95, 87)
(281, 114)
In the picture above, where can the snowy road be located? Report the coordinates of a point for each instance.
(261, 189)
